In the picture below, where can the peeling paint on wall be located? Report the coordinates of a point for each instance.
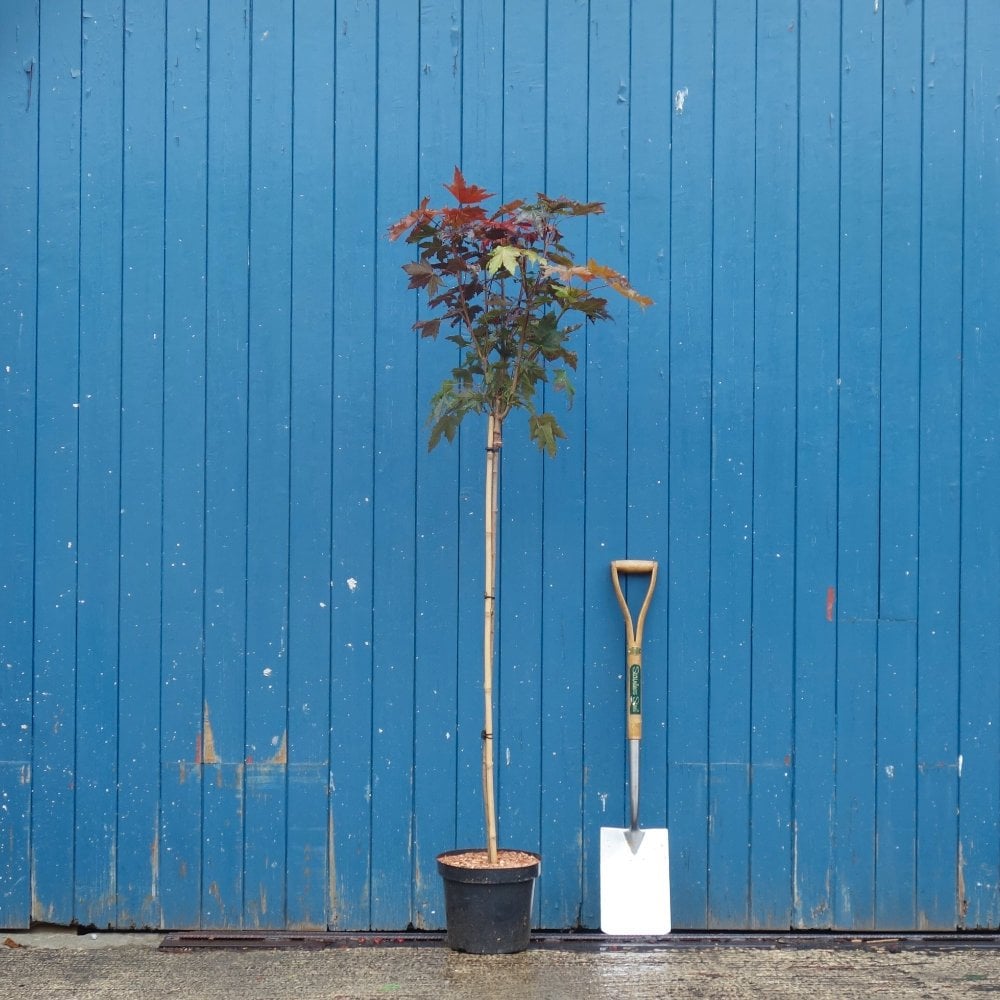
(962, 902)
(204, 751)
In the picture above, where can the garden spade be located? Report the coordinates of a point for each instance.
(635, 863)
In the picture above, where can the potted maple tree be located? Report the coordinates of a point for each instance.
(509, 294)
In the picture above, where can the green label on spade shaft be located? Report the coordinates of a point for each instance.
(634, 689)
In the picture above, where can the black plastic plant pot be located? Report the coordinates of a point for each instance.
(487, 910)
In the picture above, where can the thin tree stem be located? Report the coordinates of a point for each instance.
(493, 444)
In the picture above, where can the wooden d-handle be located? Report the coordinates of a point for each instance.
(633, 639)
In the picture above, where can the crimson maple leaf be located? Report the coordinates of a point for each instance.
(465, 215)
(466, 194)
(418, 216)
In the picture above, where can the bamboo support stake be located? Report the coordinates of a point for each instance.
(493, 444)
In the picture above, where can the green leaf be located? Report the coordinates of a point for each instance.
(548, 336)
(446, 426)
(561, 382)
(544, 431)
(503, 256)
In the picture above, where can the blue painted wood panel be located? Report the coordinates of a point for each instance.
(98, 479)
(564, 685)
(394, 477)
(140, 671)
(817, 405)
(979, 624)
(939, 543)
(240, 602)
(731, 571)
(57, 405)
(650, 110)
(226, 416)
(687, 562)
(19, 71)
(184, 713)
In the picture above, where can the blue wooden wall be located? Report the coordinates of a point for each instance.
(239, 601)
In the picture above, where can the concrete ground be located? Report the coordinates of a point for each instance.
(64, 964)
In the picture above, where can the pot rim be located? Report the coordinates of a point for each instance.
(463, 873)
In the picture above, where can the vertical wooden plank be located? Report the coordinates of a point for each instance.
(979, 799)
(57, 451)
(895, 818)
(436, 603)
(355, 236)
(481, 68)
(650, 107)
(266, 750)
(901, 177)
(310, 488)
(895, 898)
(857, 587)
(139, 628)
(19, 70)
(98, 499)
(182, 711)
(731, 566)
(563, 556)
(687, 571)
(226, 351)
(774, 465)
(816, 481)
(942, 89)
(396, 442)
(519, 716)
(605, 498)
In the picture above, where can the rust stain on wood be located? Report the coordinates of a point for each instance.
(205, 742)
(961, 900)
(281, 756)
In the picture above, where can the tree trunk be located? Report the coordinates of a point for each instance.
(493, 444)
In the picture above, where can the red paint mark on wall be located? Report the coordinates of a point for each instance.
(831, 602)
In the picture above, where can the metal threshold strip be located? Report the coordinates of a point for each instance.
(584, 941)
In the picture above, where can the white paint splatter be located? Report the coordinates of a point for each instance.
(680, 99)
(352, 584)
(960, 762)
